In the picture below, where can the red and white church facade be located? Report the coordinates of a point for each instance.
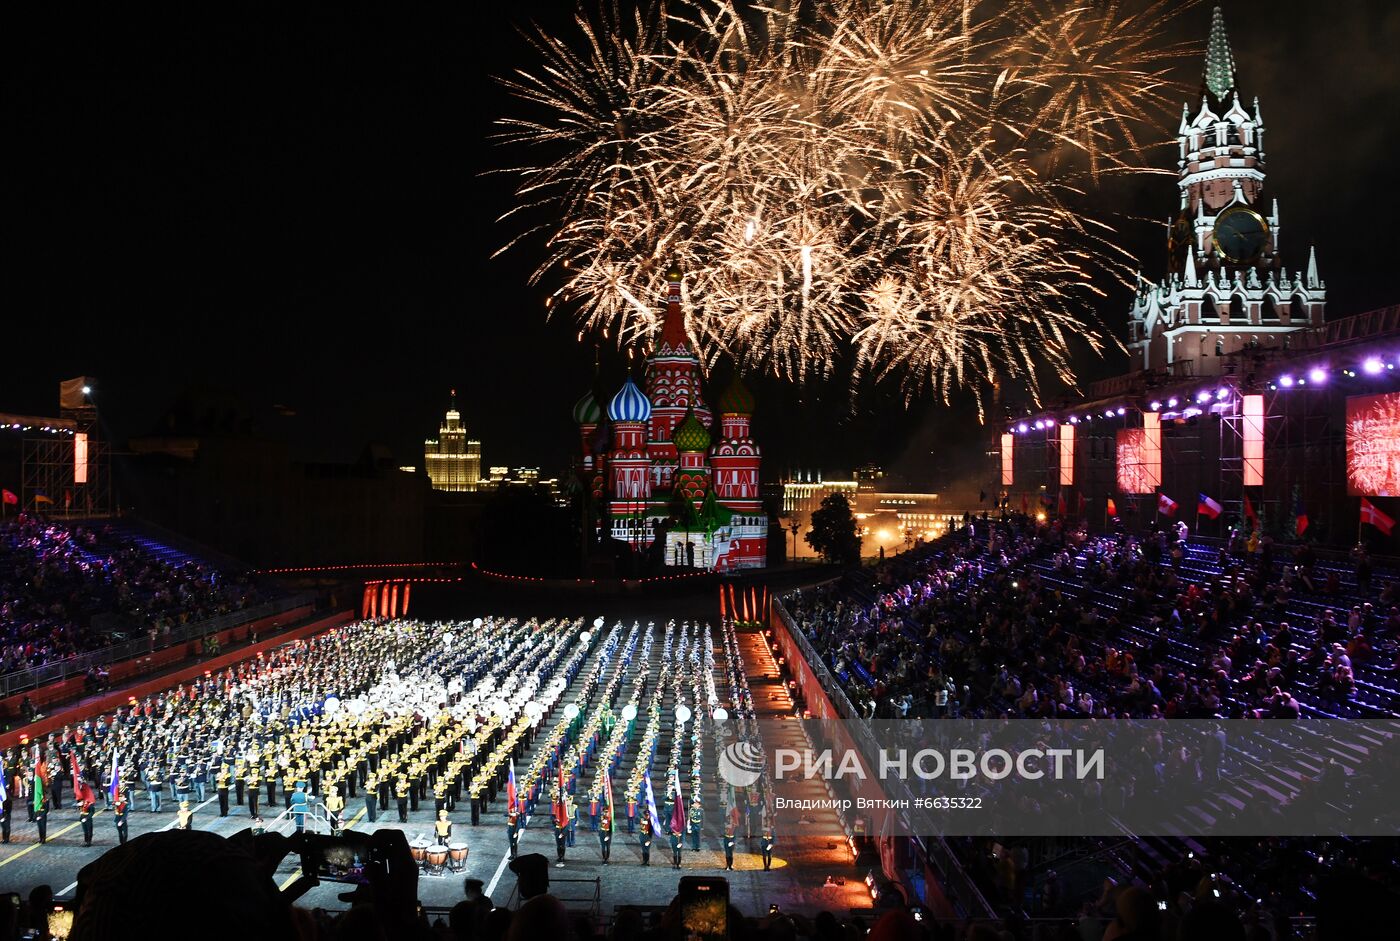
(660, 447)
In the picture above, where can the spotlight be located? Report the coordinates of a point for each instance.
(87, 390)
(1108, 414)
(1222, 393)
(1074, 419)
(1155, 406)
(1171, 403)
(1202, 398)
(1023, 428)
(1285, 381)
(1373, 365)
(1122, 410)
(1316, 375)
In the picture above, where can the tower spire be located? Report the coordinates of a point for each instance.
(1220, 63)
(673, 332)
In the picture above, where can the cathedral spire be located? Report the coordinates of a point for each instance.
(1220, 64)
(673, 333)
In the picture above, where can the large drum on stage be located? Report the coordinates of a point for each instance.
(458, 854)
(437, 857)
(419, 849)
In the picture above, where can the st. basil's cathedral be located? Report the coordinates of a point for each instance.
(659, 469)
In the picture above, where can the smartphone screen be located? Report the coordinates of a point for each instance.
(338, 859)
(60, 923)
(704, 908)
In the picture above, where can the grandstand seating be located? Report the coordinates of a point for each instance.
(987, 621)
(69, 588)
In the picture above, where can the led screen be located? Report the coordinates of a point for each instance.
(1373, 445)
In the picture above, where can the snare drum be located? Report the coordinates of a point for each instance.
(437, 856)
(419, 849)
(458, 852)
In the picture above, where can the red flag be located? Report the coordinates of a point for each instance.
(678, 809)
(1166, 505)
(1064, 505)
(81, 790)
(559, 816)
(1300, 515)
(10, 497)
(1249, 511)
(1112, 507)
(1207, 507)
(510, 789)
(1369, 514)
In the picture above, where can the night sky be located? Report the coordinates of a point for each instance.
(291, 209)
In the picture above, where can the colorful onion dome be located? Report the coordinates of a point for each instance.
(629, 404)
(691, 434)
(737, 399)
(586, 410)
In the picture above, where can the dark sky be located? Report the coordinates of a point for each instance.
(290, 207)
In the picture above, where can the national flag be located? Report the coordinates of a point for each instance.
(1300, 514)
(1166, 505)
(39, 772)
(82, 791)
(677, 807)
(115, 788)
(4, 785)
(1369, 514)
(1063, 507)
(10, 497)
(1112, 507)
(511, 805)
(560, 817)
(1249, 511)
(607, 796)
(1208, 507)
(41, 497)
(651, 807)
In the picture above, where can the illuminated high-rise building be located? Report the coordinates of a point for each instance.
(453, 460)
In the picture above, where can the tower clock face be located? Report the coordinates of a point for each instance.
(1241, 234)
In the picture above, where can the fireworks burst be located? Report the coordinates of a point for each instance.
(838, 176)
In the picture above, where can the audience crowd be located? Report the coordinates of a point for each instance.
(70, 588)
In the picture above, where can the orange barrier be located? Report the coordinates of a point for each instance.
(79, 712)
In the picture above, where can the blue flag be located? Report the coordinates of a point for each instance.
(651, 808)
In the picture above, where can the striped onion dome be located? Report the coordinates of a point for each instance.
(737, 399)
(586, 410)
(629, 404)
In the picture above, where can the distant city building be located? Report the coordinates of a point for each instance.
(888, 519)
(452, 460)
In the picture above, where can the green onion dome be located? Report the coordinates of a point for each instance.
(691, 434)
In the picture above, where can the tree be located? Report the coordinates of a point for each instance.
(834, 533)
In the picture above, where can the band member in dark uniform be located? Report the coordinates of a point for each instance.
(513, 832)
(644, 839)
(729, 848)
(119, 816)
(5, 820)
(85, 818)
(41, 817)
(561, 837)
(605, 837)
(766, 843)
(677, 843)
